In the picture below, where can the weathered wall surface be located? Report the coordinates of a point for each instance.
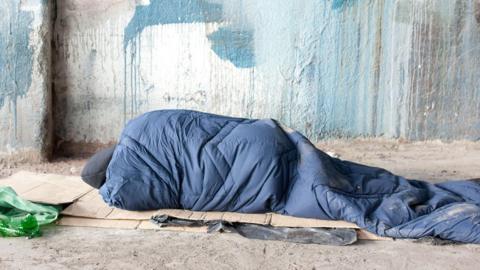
(338, 68)
(25, 78)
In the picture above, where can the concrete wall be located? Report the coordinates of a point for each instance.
(330, 68)
(404, 68)
(25, 78)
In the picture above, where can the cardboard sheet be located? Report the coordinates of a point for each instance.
(91, 211)
(87, 208)
(147, 225)
(262, 219)
(99, 223)
(92, 206)
(124, 224)
(47, 188)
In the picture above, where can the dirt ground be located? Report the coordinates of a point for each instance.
(91, 248)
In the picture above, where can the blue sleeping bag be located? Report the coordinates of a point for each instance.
(205, 162)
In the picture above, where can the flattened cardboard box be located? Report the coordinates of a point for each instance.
(47, 188)
(91, 211)
(92, 206)
(88, 209)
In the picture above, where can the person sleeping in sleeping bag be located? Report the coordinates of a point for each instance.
(204, 162)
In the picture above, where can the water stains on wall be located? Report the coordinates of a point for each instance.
(444, 72)
(374, 68)
(329, 68)
(16, 52)
(477, 10)
(25, 78)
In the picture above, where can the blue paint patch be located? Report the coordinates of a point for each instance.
(234, 45)
(171, 12)
(16, 53)
(339, 4)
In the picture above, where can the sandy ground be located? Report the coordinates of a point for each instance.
(91, 248)
(88, 248)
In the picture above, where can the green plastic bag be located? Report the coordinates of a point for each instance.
(19, 217)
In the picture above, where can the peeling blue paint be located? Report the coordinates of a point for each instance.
(15, 52)
(235, 46)
(170, 12)
(338, 4)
